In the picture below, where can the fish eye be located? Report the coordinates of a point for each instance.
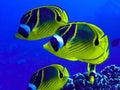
(58, 18)
(61, 75)
(96, 42)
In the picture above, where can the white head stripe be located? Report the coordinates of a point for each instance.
(32, 86)
(59, 39)
(26, 27)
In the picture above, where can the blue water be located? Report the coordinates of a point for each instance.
(19, 59)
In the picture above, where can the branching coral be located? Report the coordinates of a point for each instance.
(107, 79)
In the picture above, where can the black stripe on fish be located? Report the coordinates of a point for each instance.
(49, 73)
(36, 78)
(69, 34)
(32, 17)
(46, 15)
(23, 32)
(58, 18)
(54, 43)
(62, 29)
(96, 42)
(33, 20)
(84, 33)
(25, 18)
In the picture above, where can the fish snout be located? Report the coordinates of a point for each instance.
(64, 17)
(65, 71)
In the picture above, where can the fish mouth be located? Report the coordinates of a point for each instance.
(103, 36)
(64, 70)
(65, 17)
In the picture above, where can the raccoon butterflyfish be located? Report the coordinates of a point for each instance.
(41, 22)
(52, 77)
(80, 41)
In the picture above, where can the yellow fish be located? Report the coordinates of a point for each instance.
(80, 41)
(52, 77)
(41, 22)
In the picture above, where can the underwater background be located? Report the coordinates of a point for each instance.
(19, 59)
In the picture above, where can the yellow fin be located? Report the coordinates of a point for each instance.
(19, 36)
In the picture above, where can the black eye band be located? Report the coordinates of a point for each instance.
(58, 18)
(36, 78)
(54, 43)
(61, 75)
(96, 42)
(23, 32)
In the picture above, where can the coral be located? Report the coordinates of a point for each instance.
(107, 79)
(69, 85)
(113, 74)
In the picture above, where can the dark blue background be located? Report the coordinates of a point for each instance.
(19, 59)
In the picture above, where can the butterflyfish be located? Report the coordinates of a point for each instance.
(52, 77)
(41, 22)
(81, 41)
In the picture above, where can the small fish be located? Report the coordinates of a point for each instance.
(80, 41)
(92, 72)
(116, 42)
(52, 77)
(41, 22)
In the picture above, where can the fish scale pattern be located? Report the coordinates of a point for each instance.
(107, 79)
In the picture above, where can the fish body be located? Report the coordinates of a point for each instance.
(41, 22)
(79, 41)
(52, 77)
